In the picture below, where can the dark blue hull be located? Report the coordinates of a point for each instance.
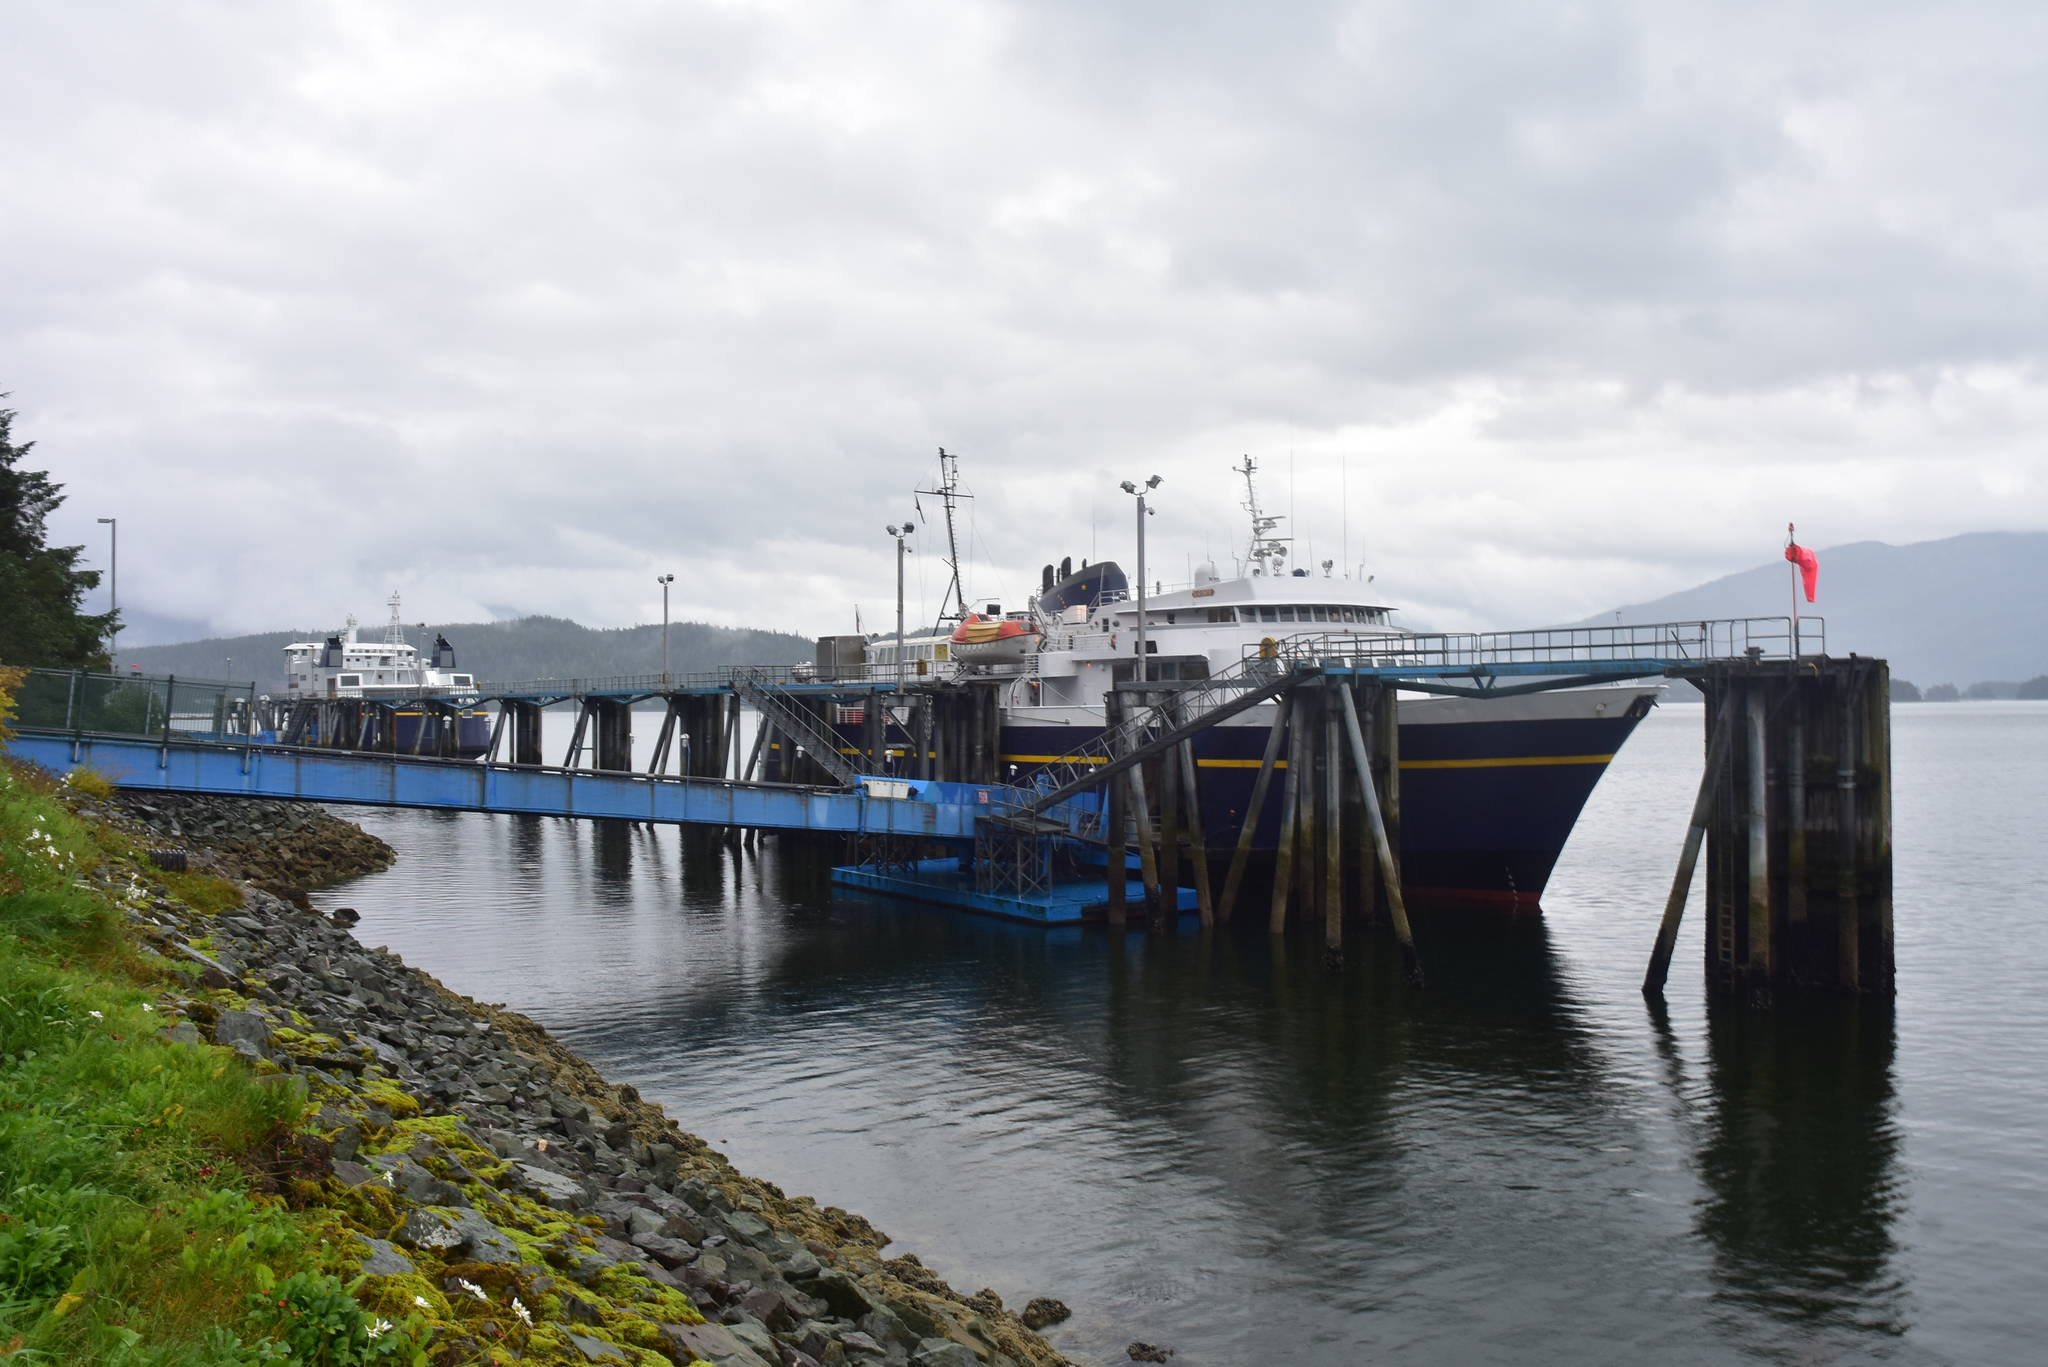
(1485, 807)
(472, 735)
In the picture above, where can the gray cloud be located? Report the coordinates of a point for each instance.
(1544, 306)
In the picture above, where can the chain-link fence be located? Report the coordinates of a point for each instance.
(135, 705)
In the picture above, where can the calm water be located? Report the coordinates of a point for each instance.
(1217, 1144)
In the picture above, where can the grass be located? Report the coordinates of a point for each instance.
(153, 1208)
(132, 1226)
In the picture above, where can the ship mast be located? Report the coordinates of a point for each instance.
(1268, 552)
(948, 493)
(394, 631)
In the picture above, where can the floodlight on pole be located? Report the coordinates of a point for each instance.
(113, 582)
(900, 532)
(664, 580)
(1144, 511)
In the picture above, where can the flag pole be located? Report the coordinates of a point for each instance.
(1791, 540)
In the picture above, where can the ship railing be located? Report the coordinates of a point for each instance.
(1653, 645)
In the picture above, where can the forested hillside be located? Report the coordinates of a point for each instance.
(527, 648)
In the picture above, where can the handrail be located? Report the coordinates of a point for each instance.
(1646, 643)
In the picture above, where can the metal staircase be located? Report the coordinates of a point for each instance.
(795, 722)
(1186, 708)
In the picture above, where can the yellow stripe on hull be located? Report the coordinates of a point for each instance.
(1504, 762)
(1508, 762)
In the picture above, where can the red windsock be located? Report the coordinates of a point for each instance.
(1809, 566)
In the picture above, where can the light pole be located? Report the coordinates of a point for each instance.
(901, 550)
(664, 580)
(1143, 513)
(113, 584)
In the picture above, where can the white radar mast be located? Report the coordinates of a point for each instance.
(1268, 554)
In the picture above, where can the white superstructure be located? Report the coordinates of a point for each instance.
(344, 666)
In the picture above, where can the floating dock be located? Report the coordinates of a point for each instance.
(943, 882)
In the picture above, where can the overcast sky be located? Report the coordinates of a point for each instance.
(1529, 309)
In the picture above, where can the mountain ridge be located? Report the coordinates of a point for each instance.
(535, 647)
(1956, 609)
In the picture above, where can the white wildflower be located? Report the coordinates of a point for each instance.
(380, 1328)
(421, 1302)
(472, 1288)
(390, 1177)
(95, 1015)
(525, 1315)
(147, 1007)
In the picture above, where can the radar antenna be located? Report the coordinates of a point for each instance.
(948, 493)
(1268, 552)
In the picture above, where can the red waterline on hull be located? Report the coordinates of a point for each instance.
(1494, 899)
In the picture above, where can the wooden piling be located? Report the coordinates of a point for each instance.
(1169, 811)
(1148, 858)
(1799, 875)
(1711, 779)
(1390, 868)
(1198, 841)
(1794, 770)
(1333, 831)
(1115, 826)
(1758, 814)
(1241, 855)
(1283, 853)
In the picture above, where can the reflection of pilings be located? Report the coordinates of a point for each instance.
(1799, 1167)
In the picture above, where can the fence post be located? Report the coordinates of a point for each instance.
(71, 699)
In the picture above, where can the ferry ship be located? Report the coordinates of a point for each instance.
(345, 666)
(1490, 788)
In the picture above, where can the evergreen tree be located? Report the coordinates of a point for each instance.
(41, 587)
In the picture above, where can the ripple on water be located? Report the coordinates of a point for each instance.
(1215, 1143)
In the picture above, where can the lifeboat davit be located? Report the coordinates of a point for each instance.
(980, 640)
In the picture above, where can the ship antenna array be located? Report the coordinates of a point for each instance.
(394, 631)
(1268, 552)
(948, 493)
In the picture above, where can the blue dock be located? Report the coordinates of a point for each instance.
(923, 811)
(944, 883)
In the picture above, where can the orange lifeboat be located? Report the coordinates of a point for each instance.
(980, 640)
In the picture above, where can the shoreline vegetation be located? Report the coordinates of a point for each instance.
(231, 1134)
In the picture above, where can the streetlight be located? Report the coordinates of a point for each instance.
(1143, 513)
(113, 582)
(664, 580)
(901, 550)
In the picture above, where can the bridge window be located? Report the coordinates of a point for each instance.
(1223, 614)
(1269, 615)
(350, 681)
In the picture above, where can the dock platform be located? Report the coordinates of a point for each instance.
(942, 882)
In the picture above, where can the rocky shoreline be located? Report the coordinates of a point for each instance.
(496, 1182)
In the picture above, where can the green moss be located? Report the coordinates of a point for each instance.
(622, 1285)
(380, 1090)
